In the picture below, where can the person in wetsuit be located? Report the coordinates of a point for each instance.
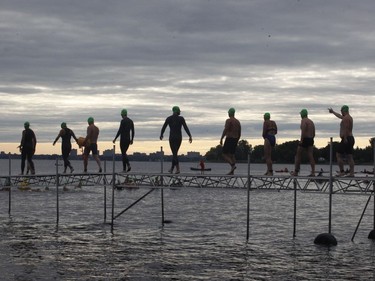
(126, 126)
(27, 147)
(66, 147)
(175, 123)
(269, 132)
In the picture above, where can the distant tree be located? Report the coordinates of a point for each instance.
(257, 154)
(325, 152)
(214, 154)
(363, 155)
(285, 153)
(243, 149)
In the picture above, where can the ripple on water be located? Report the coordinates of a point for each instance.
(204, 241)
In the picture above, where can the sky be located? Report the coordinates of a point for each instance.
(67, 60)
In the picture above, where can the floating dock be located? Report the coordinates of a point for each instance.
(358, 185)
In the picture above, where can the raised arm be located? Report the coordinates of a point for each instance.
(338, 115)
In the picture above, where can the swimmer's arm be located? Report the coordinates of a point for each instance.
(338, 115)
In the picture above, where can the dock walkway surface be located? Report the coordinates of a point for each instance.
(357, 185)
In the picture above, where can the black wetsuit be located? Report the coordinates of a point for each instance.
(27, 143)
(126, 126)
(66, 146)
(175, 123)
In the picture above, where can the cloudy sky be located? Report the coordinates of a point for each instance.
(66, 60)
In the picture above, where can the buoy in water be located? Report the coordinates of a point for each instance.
(326, 239)
(372, 235)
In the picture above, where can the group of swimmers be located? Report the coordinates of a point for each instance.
(231, 133)
(306, 143)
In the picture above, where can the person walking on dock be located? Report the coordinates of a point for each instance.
(126, 126)
(91, 145)
(269, 132)
(345, 148)
(66, 147)
(27, 148)
(232, 134)
(175, 123)
(306, 143)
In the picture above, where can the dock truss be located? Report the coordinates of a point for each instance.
(358, 185)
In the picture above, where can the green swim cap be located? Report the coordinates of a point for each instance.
(267, 116)
(231, 111)
(303, 113)
(124, 112)
(176, 109)
(26, 124)
(63, 125)
(345, 108)
(90, 120)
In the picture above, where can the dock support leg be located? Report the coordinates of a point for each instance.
(295, 208)
(113, 189)
(248, 197)
(328, 239)
(57, 192)
(162, 207)
(10, 184)
(372, 232)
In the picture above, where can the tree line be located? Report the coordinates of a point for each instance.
(285, 153)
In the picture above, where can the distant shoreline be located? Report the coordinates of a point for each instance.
(148, 158)
(132, 157)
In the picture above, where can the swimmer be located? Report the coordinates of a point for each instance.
(175, 123)
(27, 148)
(232, 134)
(306, 143)
(66, 147)
(345, 148)
(91, 144)
(269, 132)
(126, 126)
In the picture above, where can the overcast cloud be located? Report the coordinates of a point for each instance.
(68, 60)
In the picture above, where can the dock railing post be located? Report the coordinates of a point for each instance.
(161, 159)
(327, 238)
(105, 190)
(295, 208)
(162, 190)
(248, 196)
(57, 191)
(330, 186)
(113, 188)
(10, 184)
(372, 232)
(373, 184)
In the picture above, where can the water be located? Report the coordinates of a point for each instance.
(205, 239)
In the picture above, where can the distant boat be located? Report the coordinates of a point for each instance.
(199, 169)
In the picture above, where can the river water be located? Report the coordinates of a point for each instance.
(204, 237)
